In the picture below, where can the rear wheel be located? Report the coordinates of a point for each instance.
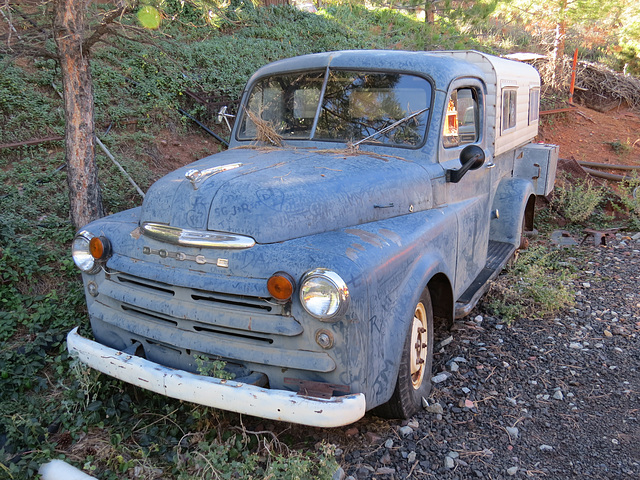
(414, 377)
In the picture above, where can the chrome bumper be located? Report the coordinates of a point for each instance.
(214, 392)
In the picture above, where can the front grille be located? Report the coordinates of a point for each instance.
(248, 330)
(207, 312)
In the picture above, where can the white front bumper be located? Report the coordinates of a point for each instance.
(214, 392)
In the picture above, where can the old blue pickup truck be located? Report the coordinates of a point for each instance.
(366, 197)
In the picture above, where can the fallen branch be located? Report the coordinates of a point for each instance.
(585, 116)
(127, 176)
(607, 166)
(606, 176)
(34, 141)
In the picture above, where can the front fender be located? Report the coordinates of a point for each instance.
(397, 259)
(388, 353)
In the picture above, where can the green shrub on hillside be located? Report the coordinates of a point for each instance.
(29, 107)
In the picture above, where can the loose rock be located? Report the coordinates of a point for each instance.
(441, 377)
(513, 433)
(444, 342)
(435, 408)
(449, 463)
(386, 471)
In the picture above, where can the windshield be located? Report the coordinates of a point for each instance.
(351, 107)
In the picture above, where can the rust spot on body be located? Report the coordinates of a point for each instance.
(366, 237)
(351, 253)
(393, 236)
(357, 246)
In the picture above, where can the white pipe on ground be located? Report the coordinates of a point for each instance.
(60, 470)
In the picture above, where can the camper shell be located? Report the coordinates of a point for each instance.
(366, 197)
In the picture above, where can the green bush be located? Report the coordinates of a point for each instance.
(537, 285)
(576, 200)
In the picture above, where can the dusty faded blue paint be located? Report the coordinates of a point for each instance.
(383, 218)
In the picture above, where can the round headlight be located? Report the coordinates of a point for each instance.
(324, 294)
(81, 253)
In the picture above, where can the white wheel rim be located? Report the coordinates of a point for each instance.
(418, 346)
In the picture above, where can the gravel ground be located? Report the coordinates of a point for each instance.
(556, 398)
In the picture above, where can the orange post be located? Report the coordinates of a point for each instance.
(573, 75)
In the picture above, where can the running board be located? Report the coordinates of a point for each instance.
(498, 255)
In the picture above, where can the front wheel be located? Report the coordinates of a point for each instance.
(414, 377)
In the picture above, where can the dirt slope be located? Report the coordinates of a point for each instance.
(591, 136)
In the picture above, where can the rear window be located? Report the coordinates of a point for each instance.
(509, 102)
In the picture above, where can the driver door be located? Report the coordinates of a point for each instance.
(464, 125)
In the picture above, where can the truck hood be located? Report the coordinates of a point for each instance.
(277, 195)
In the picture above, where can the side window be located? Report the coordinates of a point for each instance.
(534, 105)
(509, 100)
(461, 125)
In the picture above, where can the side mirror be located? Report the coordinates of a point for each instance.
(471, 158)
(224, 116)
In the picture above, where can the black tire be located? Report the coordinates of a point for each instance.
(413, 384)
(524, 240)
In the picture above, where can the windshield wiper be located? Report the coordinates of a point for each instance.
(391, 127)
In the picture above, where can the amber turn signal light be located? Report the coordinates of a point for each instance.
(281, 286)
(99, 247)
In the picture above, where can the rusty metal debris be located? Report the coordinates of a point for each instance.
(205, 128)
(599, 236)
(215, 101)
(309, 388)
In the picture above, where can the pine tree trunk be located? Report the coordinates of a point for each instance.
(430, 12)
(82, 171)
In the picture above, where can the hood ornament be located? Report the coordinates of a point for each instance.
(196, 176)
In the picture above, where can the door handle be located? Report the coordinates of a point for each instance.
(491, 165)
